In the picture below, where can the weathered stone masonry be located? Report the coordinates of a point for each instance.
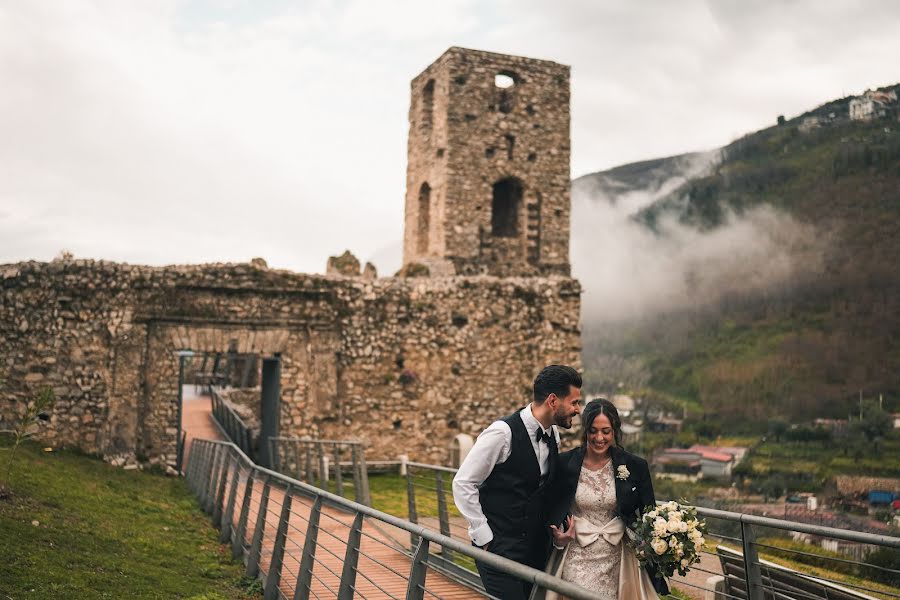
(399, 363)
(404, 364)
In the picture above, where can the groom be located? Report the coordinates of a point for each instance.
(501, 485)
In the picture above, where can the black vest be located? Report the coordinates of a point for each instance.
(512, 498)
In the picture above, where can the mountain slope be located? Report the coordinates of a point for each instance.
(781, 292)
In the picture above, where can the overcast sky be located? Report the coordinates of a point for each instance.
(197, 131)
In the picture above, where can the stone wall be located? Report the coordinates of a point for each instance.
(399, 363)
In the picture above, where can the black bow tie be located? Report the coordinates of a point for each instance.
(541, 436)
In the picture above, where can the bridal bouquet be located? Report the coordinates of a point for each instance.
(669, 537)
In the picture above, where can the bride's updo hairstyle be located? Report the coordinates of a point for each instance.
(600, 406)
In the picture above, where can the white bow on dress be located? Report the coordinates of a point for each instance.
(586, 532)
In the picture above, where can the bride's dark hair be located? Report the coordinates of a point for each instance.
(601, 406)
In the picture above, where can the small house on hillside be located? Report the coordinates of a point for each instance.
(871, 105)
(699, 461)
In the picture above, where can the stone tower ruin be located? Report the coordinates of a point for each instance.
(487, 184)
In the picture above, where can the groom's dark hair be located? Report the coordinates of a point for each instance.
(555, 379)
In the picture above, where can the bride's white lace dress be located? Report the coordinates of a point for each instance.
(595, 566)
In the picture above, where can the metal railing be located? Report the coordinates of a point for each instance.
(325, 464)
(730, 573)
(232, 424)
(303, 542)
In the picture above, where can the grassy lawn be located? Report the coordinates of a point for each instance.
(76, 527)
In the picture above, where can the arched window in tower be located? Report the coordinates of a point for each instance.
(428, 104)
(506, 206)
(424, 228)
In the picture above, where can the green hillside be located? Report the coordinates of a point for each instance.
(803, 348)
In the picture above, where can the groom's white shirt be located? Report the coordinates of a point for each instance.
(492, 448)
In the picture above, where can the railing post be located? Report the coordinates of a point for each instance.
(364, 475)
(297, 464)
(274, 454)
(189, 473)
(228, 515)
(417, 572)
(307, 560)
(240, 535)
(209, 468)
(411, 504)
(256, 544)
(443, 516)
(357, 474)
(320, 454)
(213, 484)
(307, 447)
(351, 560)
(338, 478)
(273, 577)
(752, 575)
(219, 503)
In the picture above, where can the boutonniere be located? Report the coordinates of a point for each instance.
(622, 472)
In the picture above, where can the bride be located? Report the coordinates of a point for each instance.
(601, 489)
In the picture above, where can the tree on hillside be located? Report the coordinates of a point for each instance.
(874, 424)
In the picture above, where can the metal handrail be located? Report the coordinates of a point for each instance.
(232, 424)
(317, 462)
(214, 473)
(436, 490)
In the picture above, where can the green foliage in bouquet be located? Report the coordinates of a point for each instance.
(669, 537)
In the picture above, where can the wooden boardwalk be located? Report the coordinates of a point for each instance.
(196, 419)
(383, 567)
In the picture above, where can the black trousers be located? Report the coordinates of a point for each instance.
(530, 551)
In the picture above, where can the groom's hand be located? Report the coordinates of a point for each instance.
(561, 538)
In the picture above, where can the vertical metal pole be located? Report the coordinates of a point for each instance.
(338, 479)
(351, 560)
(752, 575)
(443, 516)
(228, 516)
(273, 577)
(357, 474)
(256, 544)
(240, 536)
(364, 476)
(220, 490)
(190, 473)
(304, 576)
(417, 572)
(320, 453)
(213, 485)
(308, 450)
(209, 471)
(179, 449)
(205, 473)
(298, 472)
(411, 504)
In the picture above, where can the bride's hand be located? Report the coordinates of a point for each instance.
(561, 538)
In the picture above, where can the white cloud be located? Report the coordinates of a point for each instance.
(199, 131)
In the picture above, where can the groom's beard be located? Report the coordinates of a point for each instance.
(563, 419)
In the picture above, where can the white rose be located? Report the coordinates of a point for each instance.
(673, 526)
(682, 527)
(659, 546)
(692, 525)
(695, 535)
(660, 527)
